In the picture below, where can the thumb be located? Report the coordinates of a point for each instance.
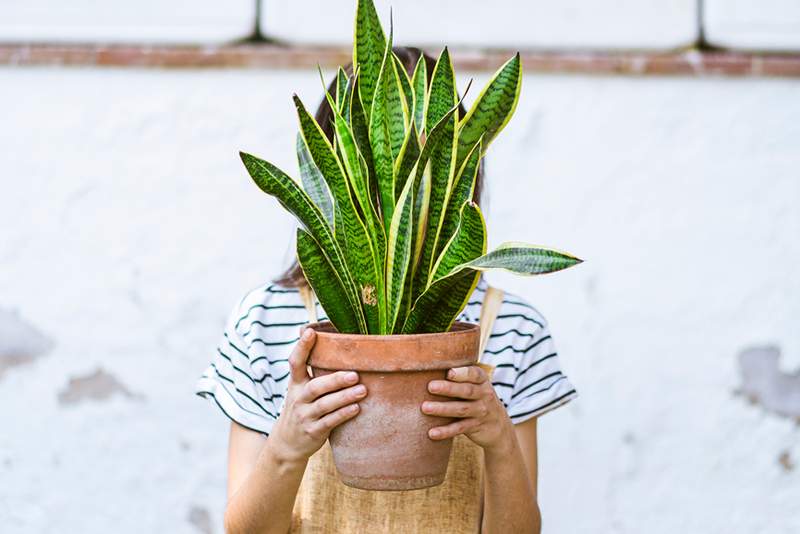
(299, 357)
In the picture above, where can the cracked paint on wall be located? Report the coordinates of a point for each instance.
(20, 342)
(200, 518)
(98, 385)
(764, 383)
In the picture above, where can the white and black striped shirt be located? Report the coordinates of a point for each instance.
(249, 372)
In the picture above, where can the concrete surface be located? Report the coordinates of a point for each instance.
(128, 230)
(772, 25)
(639, 24)
(121, 21)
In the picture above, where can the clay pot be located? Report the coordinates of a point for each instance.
(386, 446)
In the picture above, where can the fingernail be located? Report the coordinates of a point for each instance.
(359, 390)
(351, 377)
(451, 374)
(354, 407)
(425, 406)
(307, 333)
(433, 387)
(433, 433)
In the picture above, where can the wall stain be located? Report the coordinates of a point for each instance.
(785, 461)
(97, 386)
(199, 517)
(21, 343)
(765, 385)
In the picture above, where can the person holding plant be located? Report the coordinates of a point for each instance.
(392, 179)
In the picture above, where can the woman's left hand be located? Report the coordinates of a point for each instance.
(480, 414)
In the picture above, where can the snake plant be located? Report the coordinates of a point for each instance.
(390, 239)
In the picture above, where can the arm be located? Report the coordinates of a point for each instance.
(265, 473)
(510, 476)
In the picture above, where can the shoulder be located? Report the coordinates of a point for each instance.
(519, 314)
(528, 377)
(267, 306)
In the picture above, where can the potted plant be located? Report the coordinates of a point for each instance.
(393, 245)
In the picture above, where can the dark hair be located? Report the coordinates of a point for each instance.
(408, 56)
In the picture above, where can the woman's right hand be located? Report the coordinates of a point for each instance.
(313, 406)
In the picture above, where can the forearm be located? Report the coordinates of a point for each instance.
(509, 498)
(264, 501)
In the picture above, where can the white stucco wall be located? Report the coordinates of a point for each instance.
(128, 228)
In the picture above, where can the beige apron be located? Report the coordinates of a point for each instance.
(325, 505)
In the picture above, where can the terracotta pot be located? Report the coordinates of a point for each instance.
(386, 446)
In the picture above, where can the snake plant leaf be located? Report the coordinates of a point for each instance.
(355, 166)
(356, 169)
(462, 191)
(313, 182)
(442, 160)
(467, 243)
(363, 262)
(321, 275)
(357, 119)
(395, 104)
(369, 45)
(421, 210)
(436, 309)
(341, 87)
(419, 84)
(387, 130)
(398, 253)
(443, 95)
(409, 154)
(492, 109)
(405, 83)
(522, 258)
(276, 183)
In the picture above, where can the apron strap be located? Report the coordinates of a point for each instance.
(307, 294)
(489, 310)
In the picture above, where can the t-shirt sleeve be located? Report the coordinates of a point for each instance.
(540, 384)
(231, 383)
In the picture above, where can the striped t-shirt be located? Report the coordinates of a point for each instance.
(249, 373)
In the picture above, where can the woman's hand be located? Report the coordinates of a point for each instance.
(481, 415)
(313, 406)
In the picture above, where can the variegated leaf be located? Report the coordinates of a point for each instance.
(405, 83)
(436, 309)
(275, 182)
(419, 84)
(387, 130)
(409, 154)
(522, 258)
(321, 275)
(443, 95)
(462, 191)
(398, 253)
(368, 50)
(492, 109)
(313, 182)
(467, 243)
(341, 87)
(360, 252)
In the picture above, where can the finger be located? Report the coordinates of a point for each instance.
(471, 373)
(453, 429)
(455, 390)
(333, 401)
(319, 386)
(299, 356)
(334, 419)
(454, 409)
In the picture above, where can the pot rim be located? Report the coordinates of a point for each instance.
(457, 347)
(459, 328)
